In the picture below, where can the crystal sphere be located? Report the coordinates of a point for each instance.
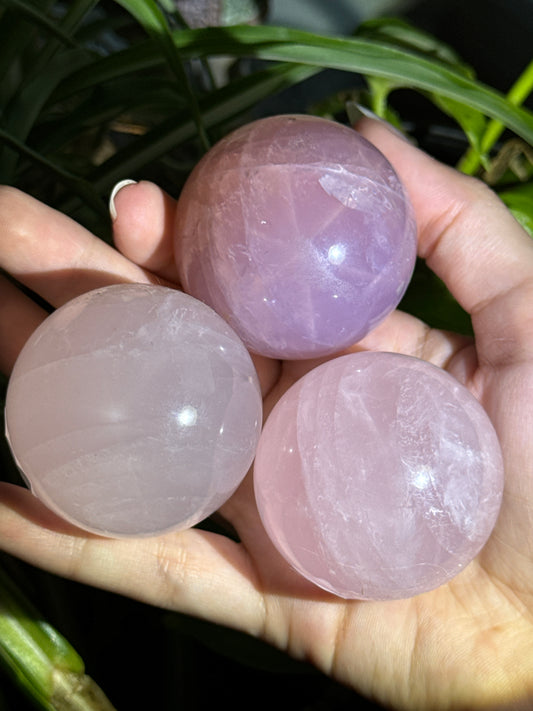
(298, 232)
(133, 410)
(378, 476)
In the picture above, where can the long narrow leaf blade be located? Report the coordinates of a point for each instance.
(38, 18)
(347, 54)
(372, 58)
(76, 184)
(218, 107)
(151, 17)
(26, 106)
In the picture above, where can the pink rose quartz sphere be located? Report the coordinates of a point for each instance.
(133, 410)
(298, 232)
(378, 476)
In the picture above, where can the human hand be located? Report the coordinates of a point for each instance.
(464, 645)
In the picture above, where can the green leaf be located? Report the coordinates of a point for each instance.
(41, 20)
(75, 13)
(144, 96)
(347, 54)
(374, 59)
(519, 200)
(516, 96)
(19, 38)
(218, 107)
(379, 90)
(150, 16)
(21, 114)
(40, 659)
(25, 107)
(77, 185)
(400, 33)
(141, 57)
(472, 121)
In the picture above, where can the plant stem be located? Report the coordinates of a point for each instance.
(518, 93)
(42, 661)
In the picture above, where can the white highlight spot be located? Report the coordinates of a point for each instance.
(422, 477)
(187, 416)
(337, 253)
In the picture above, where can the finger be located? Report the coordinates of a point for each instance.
(144, 232)
(192, 571)
(55, 256)
(19, 317)
(398, 333)
(144, 227)
(471, 241)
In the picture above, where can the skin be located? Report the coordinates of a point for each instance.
(466, 645)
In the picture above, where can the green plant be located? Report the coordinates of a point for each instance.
(508, 166)
(94, 92)
(41, 660)
(68, 100)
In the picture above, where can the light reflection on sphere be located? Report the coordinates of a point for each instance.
(298, 232)
(378, 476)
(132, 410)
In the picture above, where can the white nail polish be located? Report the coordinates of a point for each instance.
(118, 186)
(357, 111)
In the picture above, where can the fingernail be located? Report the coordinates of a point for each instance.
(116, 189)
(356, 111)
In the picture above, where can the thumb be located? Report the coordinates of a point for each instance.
(472, 242)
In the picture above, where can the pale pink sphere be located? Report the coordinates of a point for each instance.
(298, 232)
(133, 410)
(378, 476)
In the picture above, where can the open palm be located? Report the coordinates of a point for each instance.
(467, 644)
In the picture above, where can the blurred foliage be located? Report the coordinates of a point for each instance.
(93, 92)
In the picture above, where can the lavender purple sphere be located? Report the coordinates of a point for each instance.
(136, 409)
(133, 410)
(298, 232)
(378, 476)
